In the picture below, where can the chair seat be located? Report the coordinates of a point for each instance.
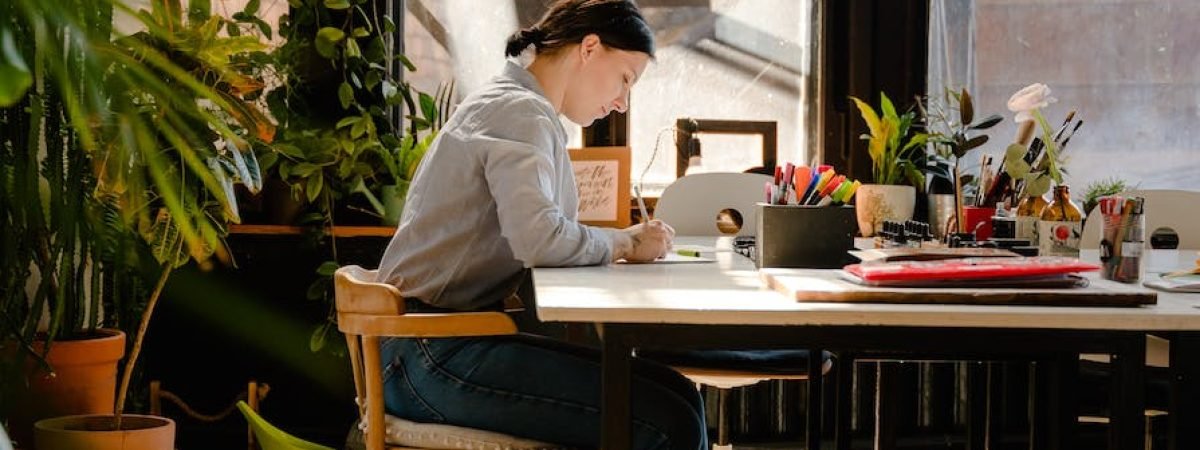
(408, 434)
(744, 362)
(1094, 381)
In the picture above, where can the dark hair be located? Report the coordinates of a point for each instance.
(618, 23)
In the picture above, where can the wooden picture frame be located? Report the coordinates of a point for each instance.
(603, 200)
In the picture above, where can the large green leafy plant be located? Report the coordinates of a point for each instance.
(121, 156)
(334, 147)
(892, 143)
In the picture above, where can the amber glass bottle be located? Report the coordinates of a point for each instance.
(1060, 226)
(1029, 211)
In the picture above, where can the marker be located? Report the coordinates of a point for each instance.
(691, 253)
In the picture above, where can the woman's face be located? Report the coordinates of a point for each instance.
(603, 80)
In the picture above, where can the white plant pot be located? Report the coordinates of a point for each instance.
(875, 203)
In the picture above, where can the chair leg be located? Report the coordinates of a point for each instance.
(722, 416)
(373, 372)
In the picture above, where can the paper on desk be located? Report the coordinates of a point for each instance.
(674, 258)
(1181, 283)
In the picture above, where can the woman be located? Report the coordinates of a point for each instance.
(496, 195)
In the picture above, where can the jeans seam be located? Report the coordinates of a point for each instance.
(412, 389)
(437, 369)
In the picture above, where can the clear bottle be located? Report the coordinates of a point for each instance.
(1060, 226)
(1029, 211)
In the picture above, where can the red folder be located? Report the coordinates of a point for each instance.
(983, 269)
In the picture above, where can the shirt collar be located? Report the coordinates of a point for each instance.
(523, 77)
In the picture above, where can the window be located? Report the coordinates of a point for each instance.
(1128, 68)
(725, 60)
(718, 59)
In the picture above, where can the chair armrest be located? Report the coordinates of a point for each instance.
(431, 325)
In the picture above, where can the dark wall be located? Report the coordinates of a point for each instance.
(871, 46)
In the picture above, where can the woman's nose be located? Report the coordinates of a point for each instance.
(620, 105)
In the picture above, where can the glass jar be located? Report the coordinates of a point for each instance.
(1060, 225)
(1029, 211)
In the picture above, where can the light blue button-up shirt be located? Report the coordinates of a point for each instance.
(495, 194)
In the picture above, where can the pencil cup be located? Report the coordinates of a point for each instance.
(1122, 243)
(979, 221)
(805, 236)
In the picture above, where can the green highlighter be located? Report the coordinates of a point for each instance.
(692, 253)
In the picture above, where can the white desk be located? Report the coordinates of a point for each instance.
(724, 304)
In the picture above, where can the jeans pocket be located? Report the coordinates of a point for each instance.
(402, 387)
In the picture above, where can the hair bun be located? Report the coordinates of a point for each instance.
(533, 35)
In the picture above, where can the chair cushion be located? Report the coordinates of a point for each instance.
(776, 362)
(406, 433)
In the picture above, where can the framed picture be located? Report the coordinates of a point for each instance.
(602, 177)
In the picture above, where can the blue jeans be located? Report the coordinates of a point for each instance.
(534, 387)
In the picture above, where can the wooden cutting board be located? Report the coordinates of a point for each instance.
(817, 285)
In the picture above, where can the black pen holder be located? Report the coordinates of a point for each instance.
(808, 237)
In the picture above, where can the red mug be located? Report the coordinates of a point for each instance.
(979, 220)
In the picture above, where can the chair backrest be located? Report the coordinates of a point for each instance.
(1165, 208)
(692, 203)
(367, 310)
(271, 438)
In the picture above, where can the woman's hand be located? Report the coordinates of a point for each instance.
(643, 242)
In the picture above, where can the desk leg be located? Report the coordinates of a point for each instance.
(843, 373)
(1184, 414)
(812, 417)
(887, 387)
(1127, 422)
(977, 405)
(1054, 422)
(615, 404)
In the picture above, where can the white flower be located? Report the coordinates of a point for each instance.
(1034, 96)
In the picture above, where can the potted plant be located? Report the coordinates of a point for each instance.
(338, 152)
(154, 130)
(952, 133)
(891, 145)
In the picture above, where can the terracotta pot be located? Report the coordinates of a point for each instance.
(84, 381)
(95, 432)
(875, 203)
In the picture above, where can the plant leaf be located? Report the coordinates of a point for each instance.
(327, 37)
(974, 142)
(337, 4)
(313, 188)
(15, 78)
(316, 342)
(327, 268)
(352, 50)
(428, 107)
(989, 122)
(966, 110)
(345, 95)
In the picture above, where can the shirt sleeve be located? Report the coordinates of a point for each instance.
(518, 161)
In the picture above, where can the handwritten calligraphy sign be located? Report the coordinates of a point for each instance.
(602, 177)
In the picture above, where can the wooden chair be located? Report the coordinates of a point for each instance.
(693, 204)
(1165, 208)
(367, 311)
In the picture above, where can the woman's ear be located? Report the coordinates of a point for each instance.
(589, 47)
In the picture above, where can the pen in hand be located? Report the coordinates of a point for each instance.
(637, 190)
